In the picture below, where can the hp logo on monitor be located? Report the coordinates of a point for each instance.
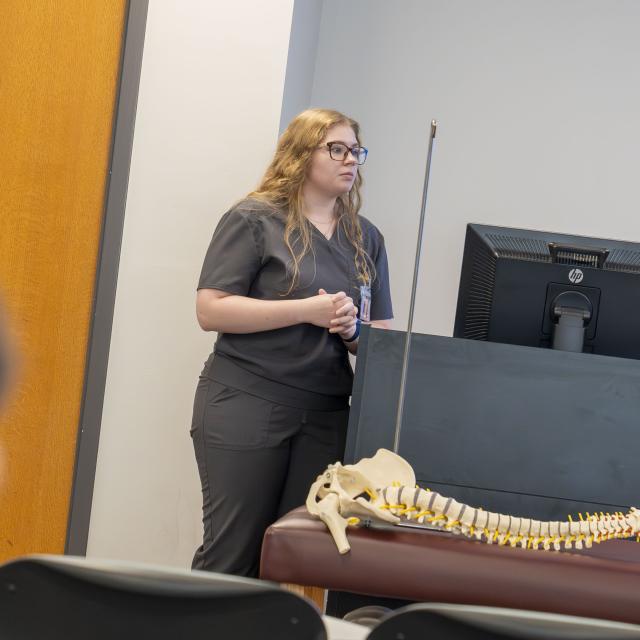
(576, 276)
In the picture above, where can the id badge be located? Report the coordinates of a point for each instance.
(365, 303)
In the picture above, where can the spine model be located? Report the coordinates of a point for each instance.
(430, 508)
(383, 489)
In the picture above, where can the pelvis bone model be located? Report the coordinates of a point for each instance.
(383, 489)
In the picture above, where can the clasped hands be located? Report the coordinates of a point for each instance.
(333, 311)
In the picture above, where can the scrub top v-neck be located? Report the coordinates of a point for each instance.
(301, 365)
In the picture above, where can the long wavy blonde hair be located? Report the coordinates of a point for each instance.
(282, 186)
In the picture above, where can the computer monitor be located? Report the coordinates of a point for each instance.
(550, 290)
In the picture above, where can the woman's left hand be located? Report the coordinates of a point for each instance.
(344, 324)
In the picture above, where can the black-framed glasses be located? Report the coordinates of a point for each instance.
(339, 151)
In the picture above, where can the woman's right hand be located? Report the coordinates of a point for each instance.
(320, 310)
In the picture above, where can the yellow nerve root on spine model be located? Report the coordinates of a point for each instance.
(383, 489)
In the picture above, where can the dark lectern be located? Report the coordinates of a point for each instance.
(519, 430)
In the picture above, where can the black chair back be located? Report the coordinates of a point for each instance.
(73, 598)
(462, 622)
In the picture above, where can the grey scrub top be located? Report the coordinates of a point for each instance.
(301, 363)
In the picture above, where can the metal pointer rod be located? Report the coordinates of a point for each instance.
(416, 268)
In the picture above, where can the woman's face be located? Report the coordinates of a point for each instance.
(330, 177)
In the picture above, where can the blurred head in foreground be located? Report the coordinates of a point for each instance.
(7, 369)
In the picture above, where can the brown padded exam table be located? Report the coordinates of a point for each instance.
(431, 566)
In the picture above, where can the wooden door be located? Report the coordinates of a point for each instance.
(59, 73)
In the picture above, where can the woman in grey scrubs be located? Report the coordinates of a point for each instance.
(287, 272)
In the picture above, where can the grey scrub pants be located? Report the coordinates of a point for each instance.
(257, 460)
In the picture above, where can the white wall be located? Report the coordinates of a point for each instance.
(207, 123)
(301, 59)
(538, 105)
